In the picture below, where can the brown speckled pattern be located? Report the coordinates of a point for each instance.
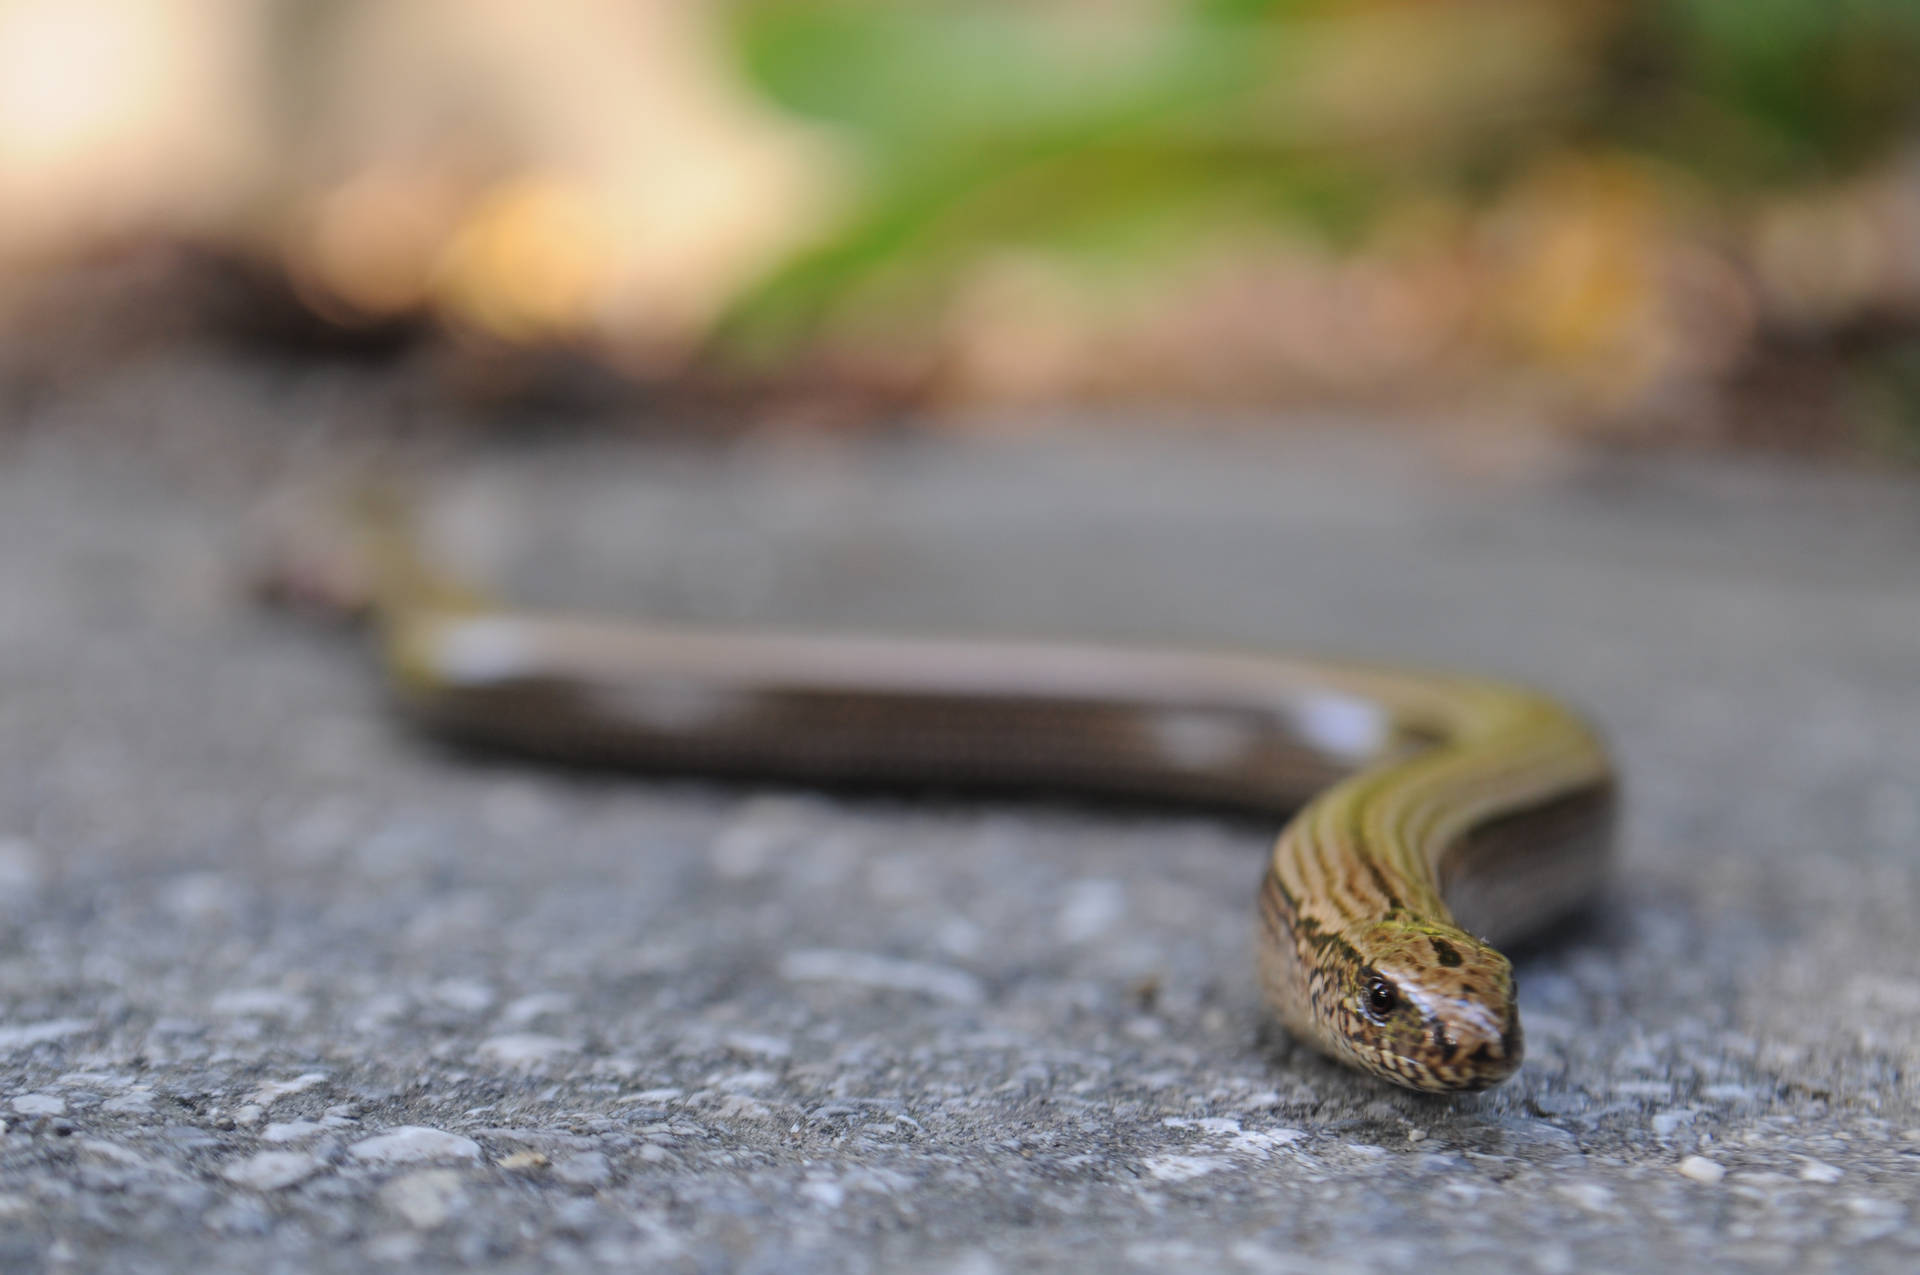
(1351, 900)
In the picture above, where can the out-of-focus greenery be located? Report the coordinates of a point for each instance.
(1114, 135)
(1766, 91)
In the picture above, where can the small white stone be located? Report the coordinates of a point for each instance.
(271, 1170)
(978, 1263)
(260, 1002)
(1218, 1125)
(1869, 1206)
(527, 1009)
(1665, 1122)
(425, 1199)
(744, 1081)
(200, 898)
(274, 1090)
(762, 1046)
(396, 1248)
(939, 982)
(1184, 1168)
(1820, 1171)
(376, 1011)
(1553, 1259)
(740, 1107)
(105, 1080)
(1873, 1218)
(410, 1143)
(653, 1096)
(469, 995)
(114, 1153)
(589, 1168)
(23, 1035)
(1262, 1142)
(526, 1050)
(1591, 1196)
(824, 1192)
(1091, 907)
(21, 870)
(1701, 1169)
(767, 829)
(957, 936)
(40, 1104)
(292, 1131)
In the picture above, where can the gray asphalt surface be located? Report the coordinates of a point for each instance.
(283, 988)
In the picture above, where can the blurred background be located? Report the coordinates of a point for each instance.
(1690, 222)
(1575, 342)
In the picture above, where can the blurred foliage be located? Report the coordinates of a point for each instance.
(1767, 91)
(1681, 215)
(1116, 135)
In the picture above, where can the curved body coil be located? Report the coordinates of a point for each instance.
(1435, 814)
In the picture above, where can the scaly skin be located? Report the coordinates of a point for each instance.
(1458, 795)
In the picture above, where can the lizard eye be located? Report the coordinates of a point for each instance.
(1382, 997)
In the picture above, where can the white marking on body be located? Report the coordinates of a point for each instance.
(1338, 724)
(483, 650)
(668, 705)
(1199, 739)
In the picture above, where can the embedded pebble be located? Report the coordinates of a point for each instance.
(272, 1170)
(1701, 1169)
(589, 1168)
(529, 1009)
(426, 1199)
(261, 1002)
(469, 995)
(824, 1192)
(415, 1142)
(1183, 1168)
(40, 1104)
(271, 1092)
(24, 1035)
(1820, 1171)
(1591, 1196)
(1666, 1122)
(203, 898)
(526, 1050)
(760, 1046)
(22, 870)
(1089, 909)
(938, 982)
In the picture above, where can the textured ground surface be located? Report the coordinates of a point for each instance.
(281, 988)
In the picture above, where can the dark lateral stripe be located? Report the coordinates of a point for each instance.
(1277, 908)
(1278, 889)
(1380, 880)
